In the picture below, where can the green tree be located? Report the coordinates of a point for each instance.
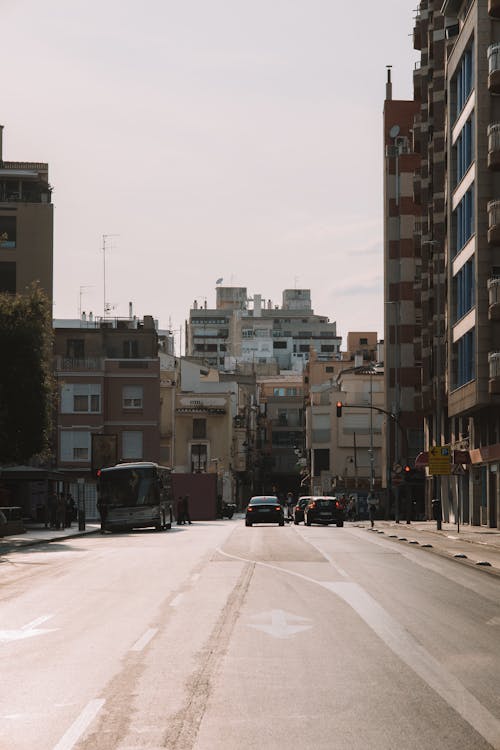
(27, 388)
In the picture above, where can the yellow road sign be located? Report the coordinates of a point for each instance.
(440, 459)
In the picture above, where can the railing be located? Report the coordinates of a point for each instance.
(494, 290)
(493, 213)
(494, 364)
(69, 364)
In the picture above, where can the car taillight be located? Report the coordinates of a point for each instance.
(312, 505)
(337, 505)
(277, 507)
(249, 508)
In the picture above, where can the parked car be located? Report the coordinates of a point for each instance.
(325, 510)
(264, 509)
(298, 511)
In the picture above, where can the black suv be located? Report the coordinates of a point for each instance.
(325, 510)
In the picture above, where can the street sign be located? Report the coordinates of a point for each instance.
(440, 460)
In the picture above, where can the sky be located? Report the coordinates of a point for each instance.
(204, 139)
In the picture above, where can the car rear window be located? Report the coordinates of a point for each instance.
(263, 500)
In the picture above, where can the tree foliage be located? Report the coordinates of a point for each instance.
(26, 381)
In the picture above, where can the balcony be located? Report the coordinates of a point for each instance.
(494, 68)
(494, 222)
(71, 364)
(494, 373)
(494, 146)
(494, 8)
(417, 34)
(417, 189)
(494, 298)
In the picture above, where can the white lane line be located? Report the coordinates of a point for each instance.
(409, 650)
(330, 559)
(195, 577)
(175, 601)
(144, 639)
(34, 623)
(419, 660)
(71, 737)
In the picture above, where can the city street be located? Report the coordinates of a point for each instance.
(216, 636)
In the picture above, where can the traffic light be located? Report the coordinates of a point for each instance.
(339, 408)
(413, 476)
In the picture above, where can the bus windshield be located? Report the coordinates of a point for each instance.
(129, 487)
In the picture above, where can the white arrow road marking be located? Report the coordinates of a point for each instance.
(408, 649)
(280, 624)
(26, 631)
(493, 621)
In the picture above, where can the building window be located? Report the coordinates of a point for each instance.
(8, 277)
(329, 369)
(464, 149)
(132, 396)
(291, 391)
(464, 360)
(278, 391)
(83, 398)
(464, 220)
(130, 349)
(304, 348)
(199, 429)
(279, 344)
(8, 234)
(464, 288)
(132, 441)
(464, 80)
(75, 445)
(75, 349)
(198, 457)
(327, 347)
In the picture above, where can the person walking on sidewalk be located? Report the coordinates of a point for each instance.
(185, 507)
(372, 508)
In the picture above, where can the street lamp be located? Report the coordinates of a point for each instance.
(438, 375)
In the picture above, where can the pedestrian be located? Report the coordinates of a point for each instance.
(181, 520)
(52, 510)
(185, 503)
(61, 512)
(372, 508)
(70, 510)
(102, 507)
(289, 504)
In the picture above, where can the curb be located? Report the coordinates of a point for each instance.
(484, 565)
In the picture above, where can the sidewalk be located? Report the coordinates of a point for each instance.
(472, 545)
(40, 535)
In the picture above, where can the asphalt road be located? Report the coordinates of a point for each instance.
(222, 637)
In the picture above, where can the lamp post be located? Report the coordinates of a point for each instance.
(438, 374)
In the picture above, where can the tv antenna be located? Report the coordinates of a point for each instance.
(85, 286)
(105, 238)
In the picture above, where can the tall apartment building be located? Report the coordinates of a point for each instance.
(108, 375)
(432, 36)
(402, 292)
(26, 225)
(252, 331)
(472, 251)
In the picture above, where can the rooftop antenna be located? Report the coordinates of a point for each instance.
(105, 238)
(86, 286)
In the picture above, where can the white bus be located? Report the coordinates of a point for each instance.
(135, 496)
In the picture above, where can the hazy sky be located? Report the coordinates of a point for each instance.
(217, 138)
